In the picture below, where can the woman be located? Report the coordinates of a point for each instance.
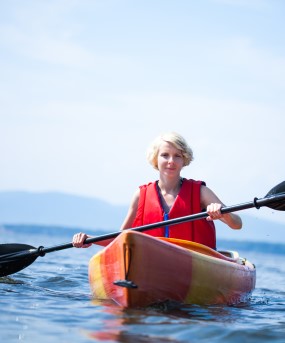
(173, 196)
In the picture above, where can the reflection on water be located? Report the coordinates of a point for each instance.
(187, 323)
(9, 280)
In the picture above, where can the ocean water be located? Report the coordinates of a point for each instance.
(50, 301)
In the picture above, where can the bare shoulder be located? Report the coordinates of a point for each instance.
(132, 211)
(135, 199)
(208, 196)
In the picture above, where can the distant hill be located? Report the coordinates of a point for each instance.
(60, 209)
(72, 211)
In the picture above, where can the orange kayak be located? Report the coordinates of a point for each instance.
(138, 270)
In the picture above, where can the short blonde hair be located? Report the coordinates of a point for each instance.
(174, 138)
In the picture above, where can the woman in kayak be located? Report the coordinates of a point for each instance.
(173, 196)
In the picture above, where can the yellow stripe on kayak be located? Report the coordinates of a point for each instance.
(95, 277)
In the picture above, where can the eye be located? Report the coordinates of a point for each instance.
(164, 154)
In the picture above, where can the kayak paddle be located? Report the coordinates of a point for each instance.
(15, 257)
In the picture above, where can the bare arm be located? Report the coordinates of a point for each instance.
(79, 238)
(213, 204)
(127, 223)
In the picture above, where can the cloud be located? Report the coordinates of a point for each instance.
(43, 47)
(242, 52)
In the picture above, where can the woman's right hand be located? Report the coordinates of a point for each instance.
(79, 239)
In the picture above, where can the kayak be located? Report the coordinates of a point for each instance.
(139, 270)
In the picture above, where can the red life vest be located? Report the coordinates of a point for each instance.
(187, 202)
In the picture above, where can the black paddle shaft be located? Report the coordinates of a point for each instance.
(257, 203)
(278, 200)
(15, 257)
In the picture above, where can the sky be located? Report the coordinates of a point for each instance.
(85, 86)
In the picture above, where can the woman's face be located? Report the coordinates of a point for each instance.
(169, 159)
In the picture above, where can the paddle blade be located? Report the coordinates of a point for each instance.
(279, 189)
(15, 257)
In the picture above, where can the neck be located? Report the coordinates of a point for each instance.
(170, 186)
